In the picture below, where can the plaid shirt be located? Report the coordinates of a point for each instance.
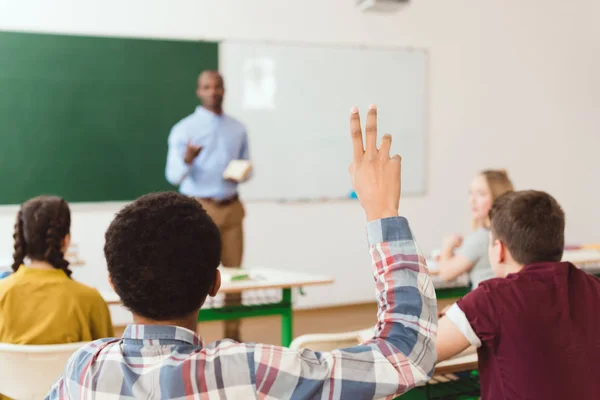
(168, 362)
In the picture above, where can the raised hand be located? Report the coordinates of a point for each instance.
(191, 152)
(376, 177)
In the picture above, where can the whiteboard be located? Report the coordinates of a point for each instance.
(295, 101)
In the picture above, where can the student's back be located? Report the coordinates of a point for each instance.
(536, 327)
(543, 322)
(39, 302)
(43, 306)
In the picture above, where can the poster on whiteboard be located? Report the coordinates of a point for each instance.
(259, 86)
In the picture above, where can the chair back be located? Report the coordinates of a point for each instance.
(29, 371)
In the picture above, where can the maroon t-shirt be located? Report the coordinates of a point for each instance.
(539, 332)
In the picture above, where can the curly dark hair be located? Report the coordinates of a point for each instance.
(42, 225)
(162, 251)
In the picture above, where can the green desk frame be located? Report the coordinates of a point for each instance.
(451, 293)
(282, 308)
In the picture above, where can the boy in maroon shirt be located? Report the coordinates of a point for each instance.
(537, 326)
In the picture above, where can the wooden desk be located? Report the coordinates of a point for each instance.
(586, 259)
(460, 363)
(260, 279)
(445, 385)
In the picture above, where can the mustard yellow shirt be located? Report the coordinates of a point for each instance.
(39, 306)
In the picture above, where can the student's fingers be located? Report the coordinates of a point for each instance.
(386, 144)
(356, 133)
(371, 130)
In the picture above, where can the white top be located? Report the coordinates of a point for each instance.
(458, 317)
(475, 249)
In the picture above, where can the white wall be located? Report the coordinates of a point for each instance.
(512, 85)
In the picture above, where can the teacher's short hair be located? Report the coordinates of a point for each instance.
(162, 251)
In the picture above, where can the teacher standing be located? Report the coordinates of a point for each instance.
(201, 146)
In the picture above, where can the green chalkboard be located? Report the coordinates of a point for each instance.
(87, 118)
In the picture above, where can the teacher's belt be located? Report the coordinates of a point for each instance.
(220, 202)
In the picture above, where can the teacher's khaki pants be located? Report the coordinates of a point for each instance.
(229, 219)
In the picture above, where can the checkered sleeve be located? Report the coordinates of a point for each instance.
(407, 306)
(401, 353)
(75, 382)
(59, 390)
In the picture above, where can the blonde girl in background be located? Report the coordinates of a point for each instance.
(460, 255)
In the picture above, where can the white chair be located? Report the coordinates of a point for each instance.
(331, 341)
(29, 371)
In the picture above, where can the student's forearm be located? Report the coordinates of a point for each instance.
(453, 267)
(407, 317)
(446, 253)
(446, 272)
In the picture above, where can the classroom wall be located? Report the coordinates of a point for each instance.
(512, 85)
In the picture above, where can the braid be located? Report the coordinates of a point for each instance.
(54, 254)
(20, 244)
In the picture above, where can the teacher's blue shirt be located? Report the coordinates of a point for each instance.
(222, 138)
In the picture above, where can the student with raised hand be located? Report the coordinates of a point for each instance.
(469, 255)
(536, 326)
(163, 253)
(39, 302)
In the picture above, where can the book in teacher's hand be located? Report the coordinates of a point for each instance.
(238, 170)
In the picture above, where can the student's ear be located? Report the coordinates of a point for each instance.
(110, 283)
(214, 288)
(66, 243)
(501, 251)
(495, 251)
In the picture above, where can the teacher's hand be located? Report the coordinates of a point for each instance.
(191, 152)
(376, 176)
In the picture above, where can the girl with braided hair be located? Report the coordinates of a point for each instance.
(40, 303)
